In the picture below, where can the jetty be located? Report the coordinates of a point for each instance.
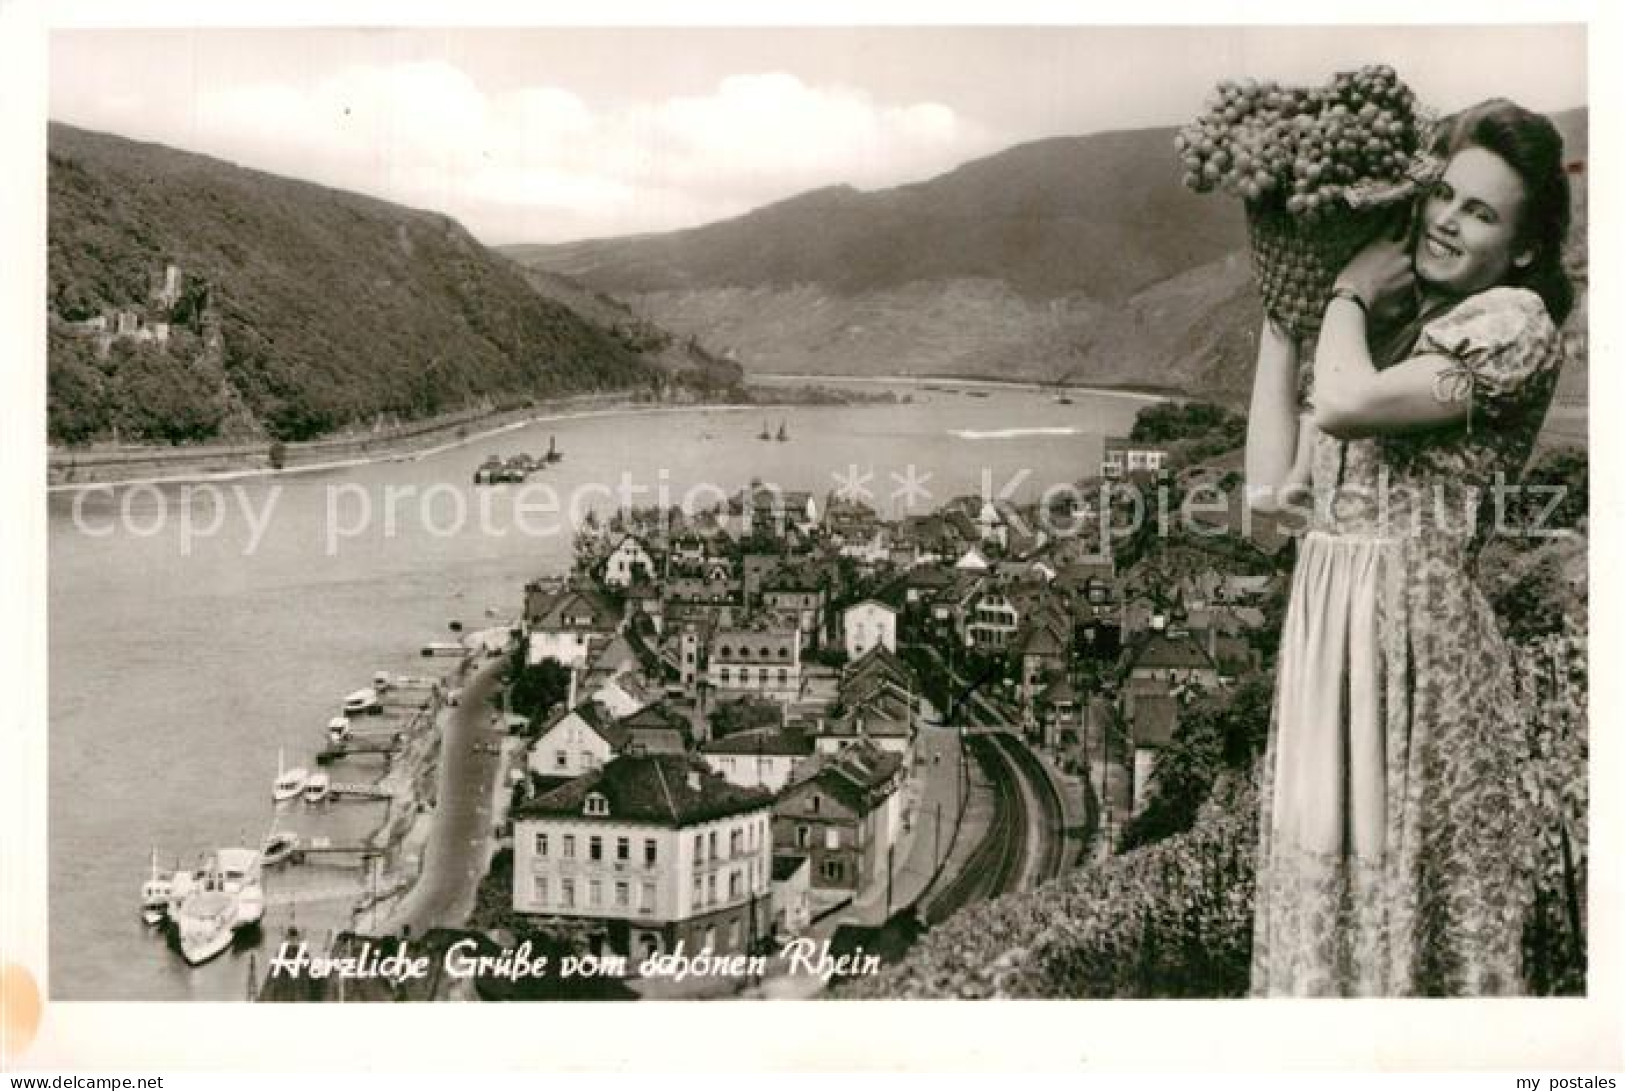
(355, 747)
(359, 852)
(364, 792)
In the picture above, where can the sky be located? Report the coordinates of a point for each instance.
(550, 135)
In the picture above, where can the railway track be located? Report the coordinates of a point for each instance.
(1052, 857)
(999, 864)
(995, 865)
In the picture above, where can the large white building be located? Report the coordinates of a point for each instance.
(764, 664)
(866, 625)
(654, 848)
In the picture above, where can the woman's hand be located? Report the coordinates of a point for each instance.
(1383, 275)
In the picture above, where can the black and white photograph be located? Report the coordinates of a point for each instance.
(1051, 511)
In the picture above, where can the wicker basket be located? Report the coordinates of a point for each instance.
(1295, 263)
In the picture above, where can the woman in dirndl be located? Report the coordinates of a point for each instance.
(1389, 789)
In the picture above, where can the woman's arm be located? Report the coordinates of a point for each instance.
(1353, 398)
(1277, 442)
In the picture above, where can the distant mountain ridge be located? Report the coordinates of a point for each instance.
(256, 305)
(1073, 258)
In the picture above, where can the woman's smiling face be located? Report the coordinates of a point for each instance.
(1468, 238)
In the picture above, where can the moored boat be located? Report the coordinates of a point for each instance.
(338, 729)
(316, 787)
(278, 846)
(289, 782)
(155, 894)
(227, 895)
(363, 700)
(204, 926)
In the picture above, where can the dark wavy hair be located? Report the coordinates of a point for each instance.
(1530, 144)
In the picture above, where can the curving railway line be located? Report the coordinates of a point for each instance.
(1026, 822)
(1050, 853)
(994, 866)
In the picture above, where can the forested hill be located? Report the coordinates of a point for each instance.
(192, 299)
(1073, 258)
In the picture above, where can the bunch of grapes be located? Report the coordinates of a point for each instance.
(1301, 149)
(1316, 167)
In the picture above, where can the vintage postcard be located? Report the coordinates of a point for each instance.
(955, 510)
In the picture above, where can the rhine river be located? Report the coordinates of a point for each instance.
(194, 633)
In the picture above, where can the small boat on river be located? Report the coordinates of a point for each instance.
(278, 847)
(316, 787)
(155, 894)
(228, 895)
(289, 782)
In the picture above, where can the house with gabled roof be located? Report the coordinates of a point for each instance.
(657, 728)
(574, 741)
(649, 851)
(567, 624)
(763, 757)
(631, 561)
(1173, 655)
(878, 662)
(844, 811)
(883, 718)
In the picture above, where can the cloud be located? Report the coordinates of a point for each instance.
(540, 163)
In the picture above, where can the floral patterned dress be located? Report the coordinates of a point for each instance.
(1395, 744)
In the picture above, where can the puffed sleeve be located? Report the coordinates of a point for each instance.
(1503, 346)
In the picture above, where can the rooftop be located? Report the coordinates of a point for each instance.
(780, 742)
(862, 774)
(673, 790)
(1155, 717)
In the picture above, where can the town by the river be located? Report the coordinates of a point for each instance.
(196, 636)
